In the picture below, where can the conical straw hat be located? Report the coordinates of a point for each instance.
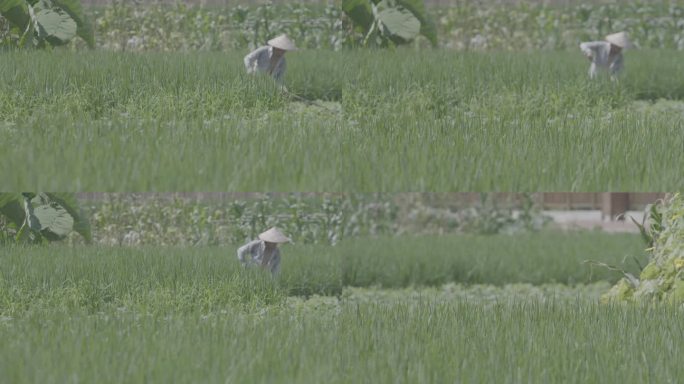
(274, 235)
(620, 39)
(282, 42)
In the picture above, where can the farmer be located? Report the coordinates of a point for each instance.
(263, 252)
(606, 54)
(270, 59)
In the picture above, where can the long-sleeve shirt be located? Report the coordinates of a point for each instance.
(260, 60)
(599, 53)
(254, 253)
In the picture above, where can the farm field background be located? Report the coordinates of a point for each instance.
(394, 121)
(154, 314)
(502, 103)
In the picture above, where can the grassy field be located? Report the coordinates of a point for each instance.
(103, 314)
(421, 121)
(353, 341)
(103, 277)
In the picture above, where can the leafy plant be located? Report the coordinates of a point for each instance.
(130, 219)
(651, 230)
(396, 21)
(43, 23)
(662, 280)
(43, 216)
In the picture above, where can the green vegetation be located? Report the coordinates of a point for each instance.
(124, 219)
(37, 217)
(462, 308)
(42, 23)
(104, 277)
(529, 25)
(352, 341)
(431, 121)
(663, 278)
(188, 315)
(159, 314)
(537, 258)
(463, 25)
(390, 21)
(131, 219)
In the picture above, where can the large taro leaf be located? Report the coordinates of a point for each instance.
(11, 206)
(41, 210)
(69, 202)
(53, 24)
(397, 21)
(359, 11)
(75, 10)
(427, 25)
(16, 12)
(54, 220)
(417, 7)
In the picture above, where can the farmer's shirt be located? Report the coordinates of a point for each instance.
(260, 60)
(599, 52)
(254, 253)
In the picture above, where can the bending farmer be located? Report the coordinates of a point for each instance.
(606, 54)
(263, 252)
(270, 59)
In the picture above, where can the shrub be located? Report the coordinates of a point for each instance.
(662, 280)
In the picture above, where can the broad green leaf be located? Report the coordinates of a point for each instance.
(39, 208)
(398, 21)
(69, 202)
(427, 25)
(11, 206)
(359, 11)
(54, 24)
(84, 28)
(54, 220)
(394, 20)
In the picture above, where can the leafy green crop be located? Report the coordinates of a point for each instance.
(125, 272)
(165, 314)
(403, 121)
(463, 25)
(662, 280)
(126, 219)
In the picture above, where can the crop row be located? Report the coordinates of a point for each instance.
(95, 277)
(364, 338)
(463, 25)
(390, 121)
